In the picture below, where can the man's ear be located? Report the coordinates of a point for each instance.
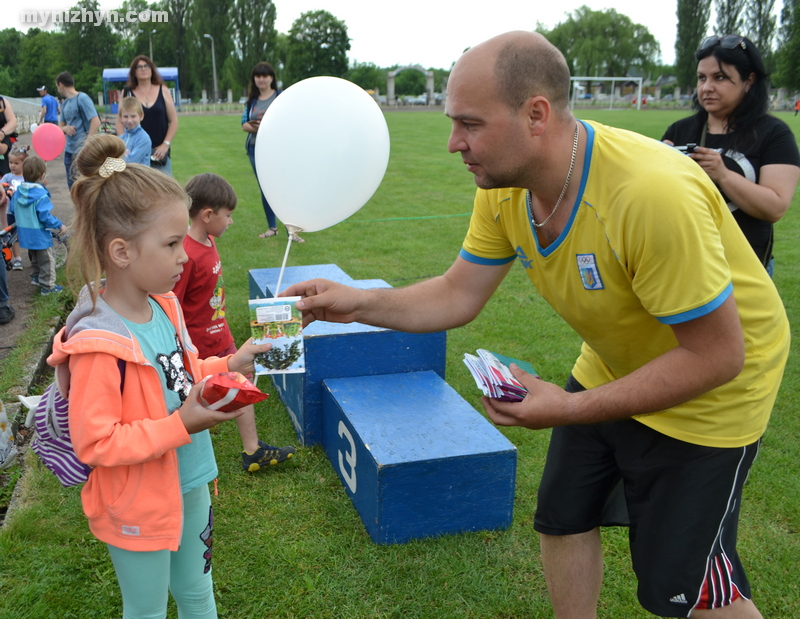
(537, 113)
(120, 252)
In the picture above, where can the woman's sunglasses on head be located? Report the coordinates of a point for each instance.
(729, 41)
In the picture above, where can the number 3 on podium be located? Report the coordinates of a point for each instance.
(350, 456)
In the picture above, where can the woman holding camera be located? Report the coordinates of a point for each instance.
(752, 157)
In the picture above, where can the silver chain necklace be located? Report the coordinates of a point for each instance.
(566, 184)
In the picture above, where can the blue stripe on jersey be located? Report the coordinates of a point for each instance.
(697, 312)
(487, 261)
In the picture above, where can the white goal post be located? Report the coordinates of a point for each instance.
(576, 87)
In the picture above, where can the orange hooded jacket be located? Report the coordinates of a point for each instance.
(133, 495)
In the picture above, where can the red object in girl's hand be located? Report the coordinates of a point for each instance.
(229, 391)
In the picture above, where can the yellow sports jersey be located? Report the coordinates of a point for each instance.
(650, 243)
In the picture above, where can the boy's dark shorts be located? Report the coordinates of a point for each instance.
(682, 499)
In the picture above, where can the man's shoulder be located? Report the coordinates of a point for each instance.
(85, 100)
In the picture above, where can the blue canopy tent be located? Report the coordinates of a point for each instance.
(168, 74)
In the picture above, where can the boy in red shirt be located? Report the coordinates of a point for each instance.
(201, 293)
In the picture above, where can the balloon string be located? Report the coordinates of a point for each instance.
(291, 231)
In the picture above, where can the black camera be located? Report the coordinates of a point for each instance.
(689, 148)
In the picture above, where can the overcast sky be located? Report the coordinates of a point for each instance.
(433, 33)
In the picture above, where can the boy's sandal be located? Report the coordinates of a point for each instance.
(268, 233)
(296, 239)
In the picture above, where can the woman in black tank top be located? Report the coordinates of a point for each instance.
(160, 120)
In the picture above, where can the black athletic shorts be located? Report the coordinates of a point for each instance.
(682, 499)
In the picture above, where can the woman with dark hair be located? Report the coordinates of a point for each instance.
(752, 157)
(263, 91)
(8, 131)
(160, 120)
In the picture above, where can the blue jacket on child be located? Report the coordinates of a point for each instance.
(138, 146)
(32, 208)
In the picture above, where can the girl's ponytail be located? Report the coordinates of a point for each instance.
(112, 200)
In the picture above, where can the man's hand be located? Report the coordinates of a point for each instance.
(545, 405)
(325, 300)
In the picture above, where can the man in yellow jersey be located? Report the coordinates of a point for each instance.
(685, 337)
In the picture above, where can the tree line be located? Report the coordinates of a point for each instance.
(595, 43)
(608, 44)
(243, 33)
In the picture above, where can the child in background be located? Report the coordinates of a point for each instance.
(13, 179)
(202, 296)
(16, 158)
(6, 311)
(137, 143)
(134, 413)
(32, 211)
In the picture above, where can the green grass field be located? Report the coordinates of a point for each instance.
(288, 542)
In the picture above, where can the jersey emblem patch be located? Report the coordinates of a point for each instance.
(523, 258)
(590, 275)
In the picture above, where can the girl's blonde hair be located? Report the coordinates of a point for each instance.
(121, 205)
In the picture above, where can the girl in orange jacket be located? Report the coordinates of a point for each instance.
(134, 413)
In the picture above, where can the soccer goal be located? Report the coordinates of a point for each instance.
(579, 89)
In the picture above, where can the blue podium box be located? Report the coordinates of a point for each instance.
(334, 350)
(415, 458)
(264, 281)
(340, 350)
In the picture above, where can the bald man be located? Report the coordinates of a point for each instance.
(683, 351)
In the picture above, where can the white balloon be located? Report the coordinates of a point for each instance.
(321, 152)
(33, 127)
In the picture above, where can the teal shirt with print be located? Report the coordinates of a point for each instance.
(163, 350)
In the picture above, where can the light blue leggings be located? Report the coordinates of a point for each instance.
(146, 578)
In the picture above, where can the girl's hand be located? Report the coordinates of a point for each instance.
(196, 417)
(711, 161)
(242, 359)
(68, 129)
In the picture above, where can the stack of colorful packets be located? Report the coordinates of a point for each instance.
(492, 376)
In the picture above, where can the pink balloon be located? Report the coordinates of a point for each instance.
(48, 141)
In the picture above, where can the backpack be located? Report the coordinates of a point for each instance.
(52, 442)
